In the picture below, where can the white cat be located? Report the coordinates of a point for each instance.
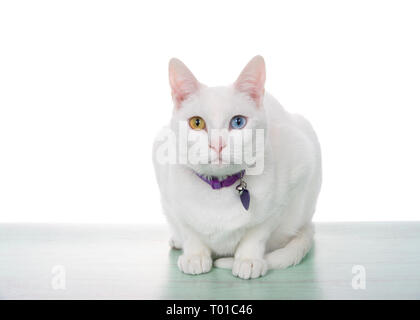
(276, 231)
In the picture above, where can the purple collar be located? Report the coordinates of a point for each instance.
(215, 183)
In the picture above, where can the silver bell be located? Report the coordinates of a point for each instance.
(240, 187)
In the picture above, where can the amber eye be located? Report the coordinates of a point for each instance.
(197, 123)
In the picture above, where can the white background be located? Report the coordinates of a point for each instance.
(84, 89)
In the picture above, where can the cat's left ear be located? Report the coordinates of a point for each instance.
(252, 79)
(182, 81)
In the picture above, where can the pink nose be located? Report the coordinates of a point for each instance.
(218, 148)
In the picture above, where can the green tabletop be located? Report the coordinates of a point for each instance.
(135, 262)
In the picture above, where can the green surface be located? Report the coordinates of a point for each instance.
(389, 253)
(135, 262)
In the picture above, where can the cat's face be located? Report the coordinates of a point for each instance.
(222, 121)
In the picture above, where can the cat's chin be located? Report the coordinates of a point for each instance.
(218, 170)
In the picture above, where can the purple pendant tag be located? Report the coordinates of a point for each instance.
(243, 193)
(245, 198)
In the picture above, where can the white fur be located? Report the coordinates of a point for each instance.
(277, 231)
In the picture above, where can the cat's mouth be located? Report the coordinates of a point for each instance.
(220, 161)
(219, 165)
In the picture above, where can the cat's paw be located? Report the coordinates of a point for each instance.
(249, 268)
(195, 264)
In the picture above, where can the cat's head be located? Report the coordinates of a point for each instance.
(219, 117)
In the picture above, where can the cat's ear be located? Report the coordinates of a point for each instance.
(252, 79)
(182, 81)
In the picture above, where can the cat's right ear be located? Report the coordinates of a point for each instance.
(252, 79)
(182, 81)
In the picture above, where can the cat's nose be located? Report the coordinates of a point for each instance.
(217, 143)
(217, 148)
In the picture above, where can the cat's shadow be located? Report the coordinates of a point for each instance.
(299, 282)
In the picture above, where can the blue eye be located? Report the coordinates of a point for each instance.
(238, 122)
